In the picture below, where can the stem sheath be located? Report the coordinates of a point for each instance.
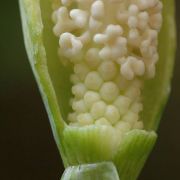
(97, 171)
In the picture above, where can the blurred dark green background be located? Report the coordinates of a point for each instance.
(27, 148)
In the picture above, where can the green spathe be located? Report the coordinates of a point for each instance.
(93, 144)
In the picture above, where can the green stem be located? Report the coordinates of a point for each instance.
(97, 171)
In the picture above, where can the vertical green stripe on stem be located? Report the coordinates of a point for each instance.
(133, 152)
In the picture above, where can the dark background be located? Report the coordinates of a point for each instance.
(27, 148)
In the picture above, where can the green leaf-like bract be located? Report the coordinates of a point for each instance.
(94, 144)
